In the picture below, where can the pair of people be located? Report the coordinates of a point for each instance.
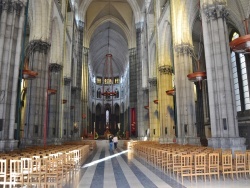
(111, 141)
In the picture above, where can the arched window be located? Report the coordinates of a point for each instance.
(241, 88)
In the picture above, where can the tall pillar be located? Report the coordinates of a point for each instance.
(132, 84)
(166, 107)
(153, 110)
(185, 104)
(140, 112)
(67, 128)
(223, 115)
(85, 94)
(55, 71)
(80, 76)
(11, 30)
(36, 108)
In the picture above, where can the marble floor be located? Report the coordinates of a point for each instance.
(121, 169)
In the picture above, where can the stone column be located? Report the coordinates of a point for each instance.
(55, 71)
(66, 107)
(166, 106)
(223, 115)
(79, 84)
(85, 93)
(11, 29)
(132, 84)
(185, 103)
(75, 110)
(153, 110)
(140, 112)
(36, 110)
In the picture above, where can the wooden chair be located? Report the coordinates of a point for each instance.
(16, 174)
(186, 166)
(200, 165)
(164, 161)
(226, 165)
(213, 165)
(169, 161)
(54, 173)
(38, 170)
(248, 163)
(240, 164)
(4, 176)
(176, 163)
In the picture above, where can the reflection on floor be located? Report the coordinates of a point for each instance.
(121, 169)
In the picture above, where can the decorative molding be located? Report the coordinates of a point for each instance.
(152, 81)
(11, 6)
(139, 27)
(54, 67)
(184, 48)
(215, 11)
(166, 69)
(66, 81)
(37, 45)
(80, 25)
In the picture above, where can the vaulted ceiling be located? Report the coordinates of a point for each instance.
(110, 26)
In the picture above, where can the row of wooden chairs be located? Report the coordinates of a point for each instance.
(194, 161)
(44, 168)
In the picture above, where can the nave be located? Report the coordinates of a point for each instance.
(122, 169)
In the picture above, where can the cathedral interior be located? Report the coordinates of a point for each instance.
(167, 71)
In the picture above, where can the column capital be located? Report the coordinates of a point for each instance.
(38, 45)
(139, 26)
(12, 6)
(55, 67)
(215, 10)
(184, 48)
(152, 81)
(80, 25)
(66, 81)
(166, 69)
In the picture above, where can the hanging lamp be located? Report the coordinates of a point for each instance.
(171, 92)
(156, 101)
(52, 91)
(198, 75)
(28, 74)
(108, 79)
(242, 44)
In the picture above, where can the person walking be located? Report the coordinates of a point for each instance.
(110, 142)
(115, 140)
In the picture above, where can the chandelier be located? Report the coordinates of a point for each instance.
(108, 79)
(242, 43)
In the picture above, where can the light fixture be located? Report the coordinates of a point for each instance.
(52, 91)
(108, 78)
(242, 44)
(170, 92)
(28, 74)
(156, 101)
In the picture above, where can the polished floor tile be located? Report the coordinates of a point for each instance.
(121, 169)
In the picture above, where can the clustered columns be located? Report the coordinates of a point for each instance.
(55, 71)
(76, 98)
(153, 110)
(75, 111)
(85, 80)
(11, 27)
(66, 108)
(185, 103)
(165, 105)
(36, 108)
(224, 125)
(139, 109)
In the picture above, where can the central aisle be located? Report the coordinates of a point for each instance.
(121, 169)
